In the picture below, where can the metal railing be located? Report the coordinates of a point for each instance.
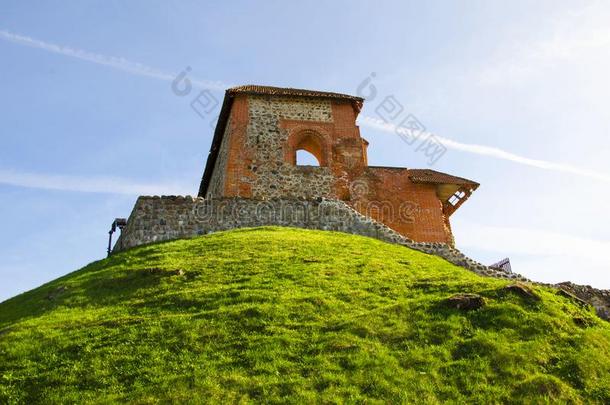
(117, 223)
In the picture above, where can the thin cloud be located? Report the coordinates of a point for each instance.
(123, 64)
(110, 185)
(490, 151)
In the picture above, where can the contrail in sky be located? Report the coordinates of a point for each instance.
(110, 61)
(370, 122)
(490, 151)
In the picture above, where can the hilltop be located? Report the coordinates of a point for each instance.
(290, 315)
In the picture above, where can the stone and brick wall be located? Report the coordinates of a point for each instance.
(156, 219)
(253, 151)
(257, 160)
(413, 209)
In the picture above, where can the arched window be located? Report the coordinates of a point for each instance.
(307, 148)
(305, 158)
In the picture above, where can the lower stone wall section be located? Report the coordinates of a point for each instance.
(155, 219)
(599, 299)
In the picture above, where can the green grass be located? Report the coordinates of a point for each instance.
(285, 315)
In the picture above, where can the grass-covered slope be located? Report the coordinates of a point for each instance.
(286, 315)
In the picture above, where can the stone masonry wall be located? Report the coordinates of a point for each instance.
(256, 160)
(251, 161)
(274, 176)
(155, 219)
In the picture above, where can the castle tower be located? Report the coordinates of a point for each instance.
(254, 155)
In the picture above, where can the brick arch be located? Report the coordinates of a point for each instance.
(311, 141)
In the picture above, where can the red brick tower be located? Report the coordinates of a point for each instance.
(253, 155)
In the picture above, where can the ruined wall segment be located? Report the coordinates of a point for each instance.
(256, 158)
(275, 175)
(387, 195)
(156, 219)
(261, 129)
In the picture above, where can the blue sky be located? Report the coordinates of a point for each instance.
(516, 91)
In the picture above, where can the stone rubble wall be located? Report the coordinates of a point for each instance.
(156, 219)
(599, 299)
(276, 178)
(256, 159)
(302, 108)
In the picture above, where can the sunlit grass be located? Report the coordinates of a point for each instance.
(287, 315)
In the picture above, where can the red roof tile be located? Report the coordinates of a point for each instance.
(288, 91)
(432, 176)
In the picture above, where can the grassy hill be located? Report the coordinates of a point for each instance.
(286, 315)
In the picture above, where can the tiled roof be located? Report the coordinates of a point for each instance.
(287, 91)
(432, 176)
